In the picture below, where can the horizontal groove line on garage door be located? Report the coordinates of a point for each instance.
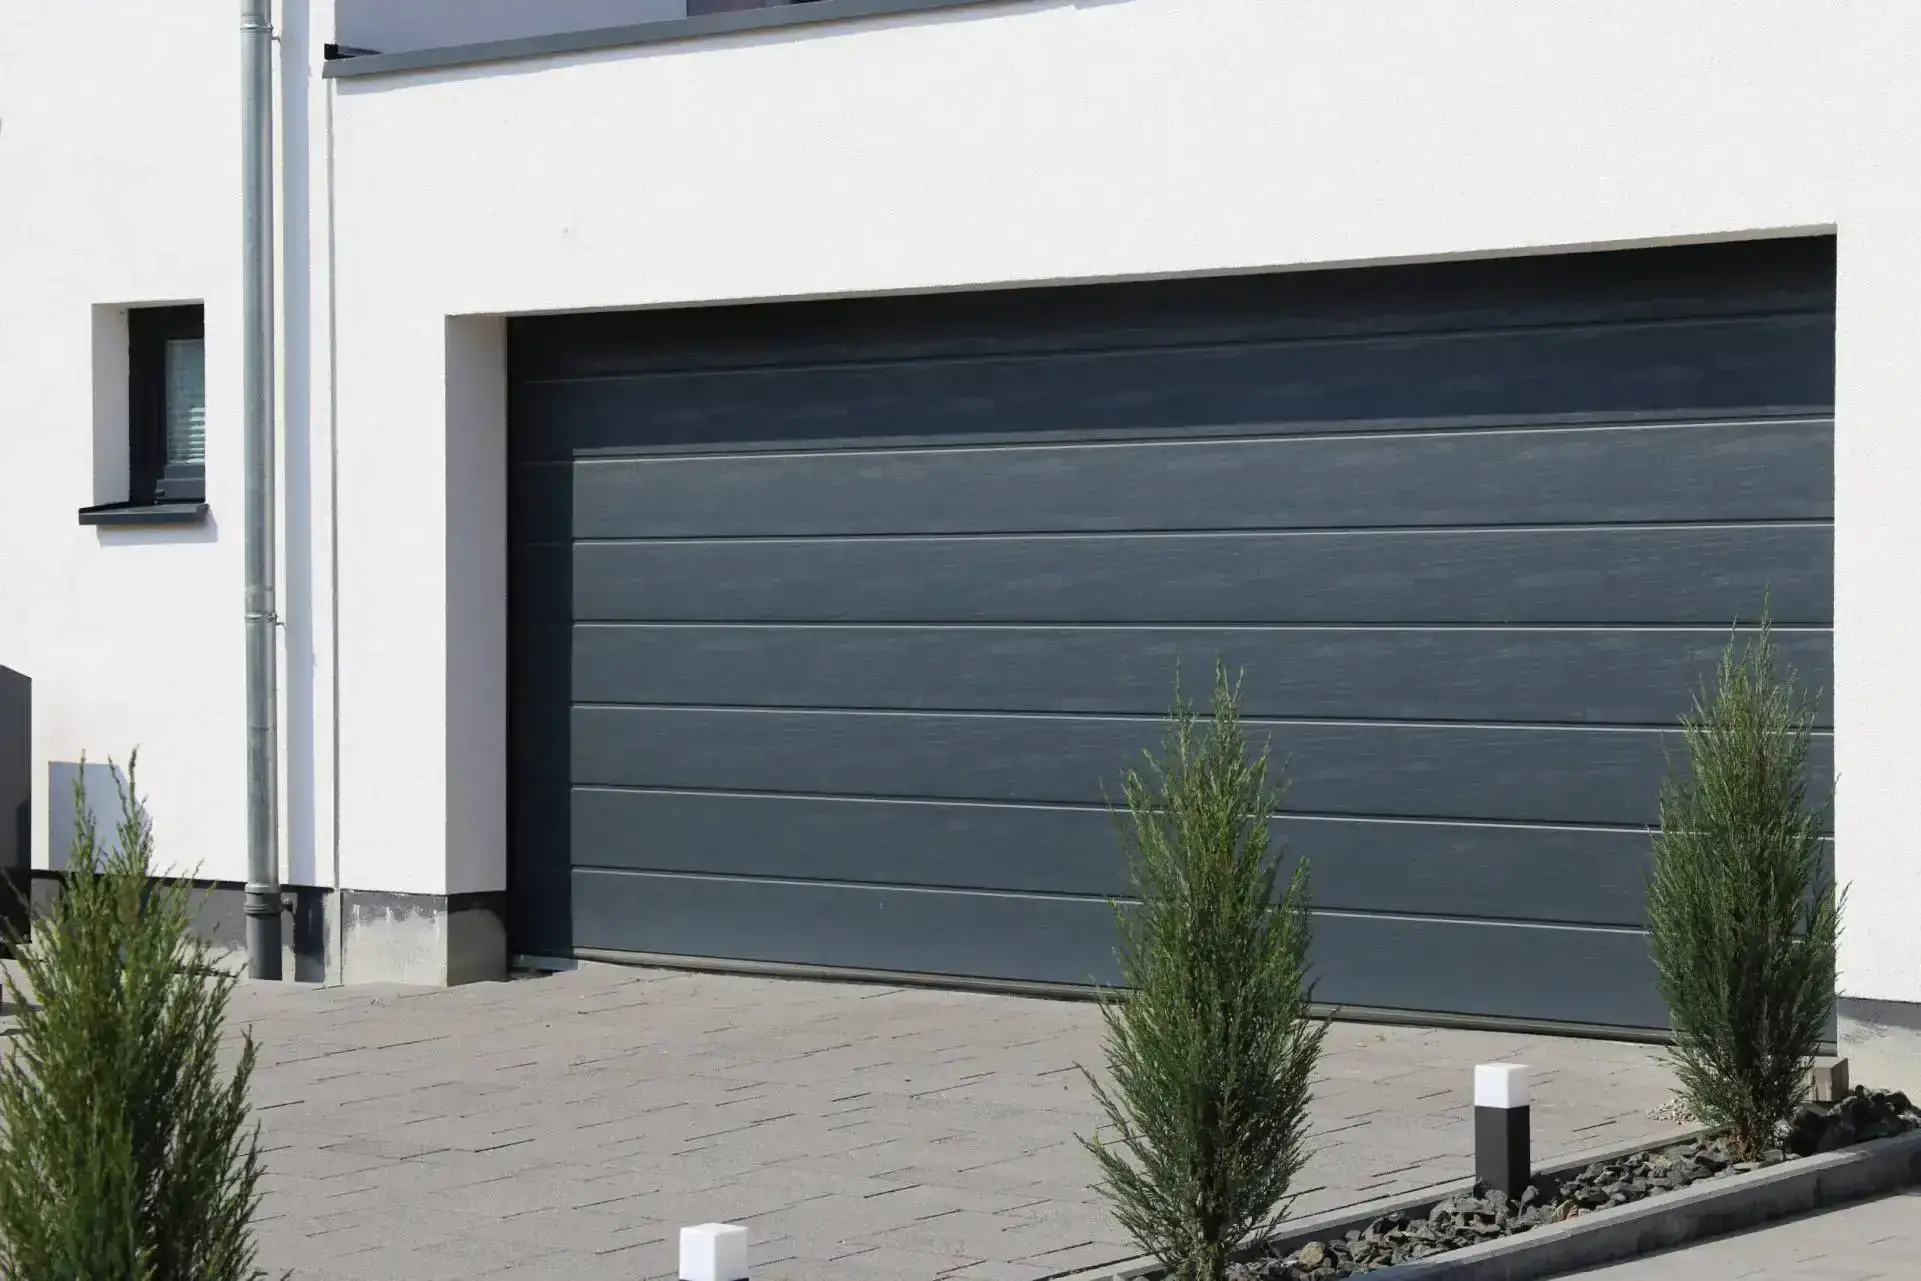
(1535, 923)
(1359, 336)
(1708, 575)
(1529, 774)
(1814, 522)
(1804, 629)
(1067, 437)
(969, 803)
(1151, 438)
(944, 802)
(1589, 677)
(1253, 722)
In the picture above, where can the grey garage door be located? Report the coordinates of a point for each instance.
(834, 622)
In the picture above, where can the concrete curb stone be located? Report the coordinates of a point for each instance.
(1708, 1209)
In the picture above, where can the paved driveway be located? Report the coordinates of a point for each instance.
(566, 1126)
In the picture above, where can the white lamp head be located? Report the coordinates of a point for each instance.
(1500, 1085)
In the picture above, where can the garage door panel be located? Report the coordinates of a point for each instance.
(1562, 974)
(1027, 848)
(1708, 575)
(1677, 366)
(1572, 875)
(835, 623)
(1012, 936)
(1402, 770)
(1726, 279)
(1767, 470)
(1583, 676)
(1376, 962)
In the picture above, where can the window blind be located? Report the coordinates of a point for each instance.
(186, 400)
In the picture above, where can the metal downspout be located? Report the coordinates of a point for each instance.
(257, 397)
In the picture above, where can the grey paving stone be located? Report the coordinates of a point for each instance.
(574, 1265)
(452, 1261)
(881, 1264)
(1077, 1258)
(853, 1223)
(992, 1270)
(730, 1202)
(966, 1232)
(1035, 1239)
(318, 1162)
(1011, 1181)
(593, 1230)
(697, 1169)
(512, 1195)
(339, 1236)
(409, 1181)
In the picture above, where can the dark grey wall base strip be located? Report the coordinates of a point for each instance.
(474, 921)
(220, 921)
(564, 42)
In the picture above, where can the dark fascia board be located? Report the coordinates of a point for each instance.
(672, 29)
(144, 514)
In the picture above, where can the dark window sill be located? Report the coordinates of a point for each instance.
(145, 514)
(805, 13)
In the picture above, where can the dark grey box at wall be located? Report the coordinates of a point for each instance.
(16, 797)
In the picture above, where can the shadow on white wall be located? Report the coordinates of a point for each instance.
(103, 800)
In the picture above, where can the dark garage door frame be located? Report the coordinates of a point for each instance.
(830, 619)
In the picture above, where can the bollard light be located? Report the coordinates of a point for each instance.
(1501, 1127)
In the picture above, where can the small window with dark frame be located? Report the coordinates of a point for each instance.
(167, 404)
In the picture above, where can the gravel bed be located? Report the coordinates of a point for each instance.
(1468, 1220)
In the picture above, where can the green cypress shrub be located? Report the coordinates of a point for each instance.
(1210, 1051)
(1742, 915)
(128, 1150)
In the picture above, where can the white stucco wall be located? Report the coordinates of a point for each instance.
(119, 166)
(1058, 141)
(120, 184)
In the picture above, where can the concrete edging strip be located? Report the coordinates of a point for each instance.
(1707, 1209)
